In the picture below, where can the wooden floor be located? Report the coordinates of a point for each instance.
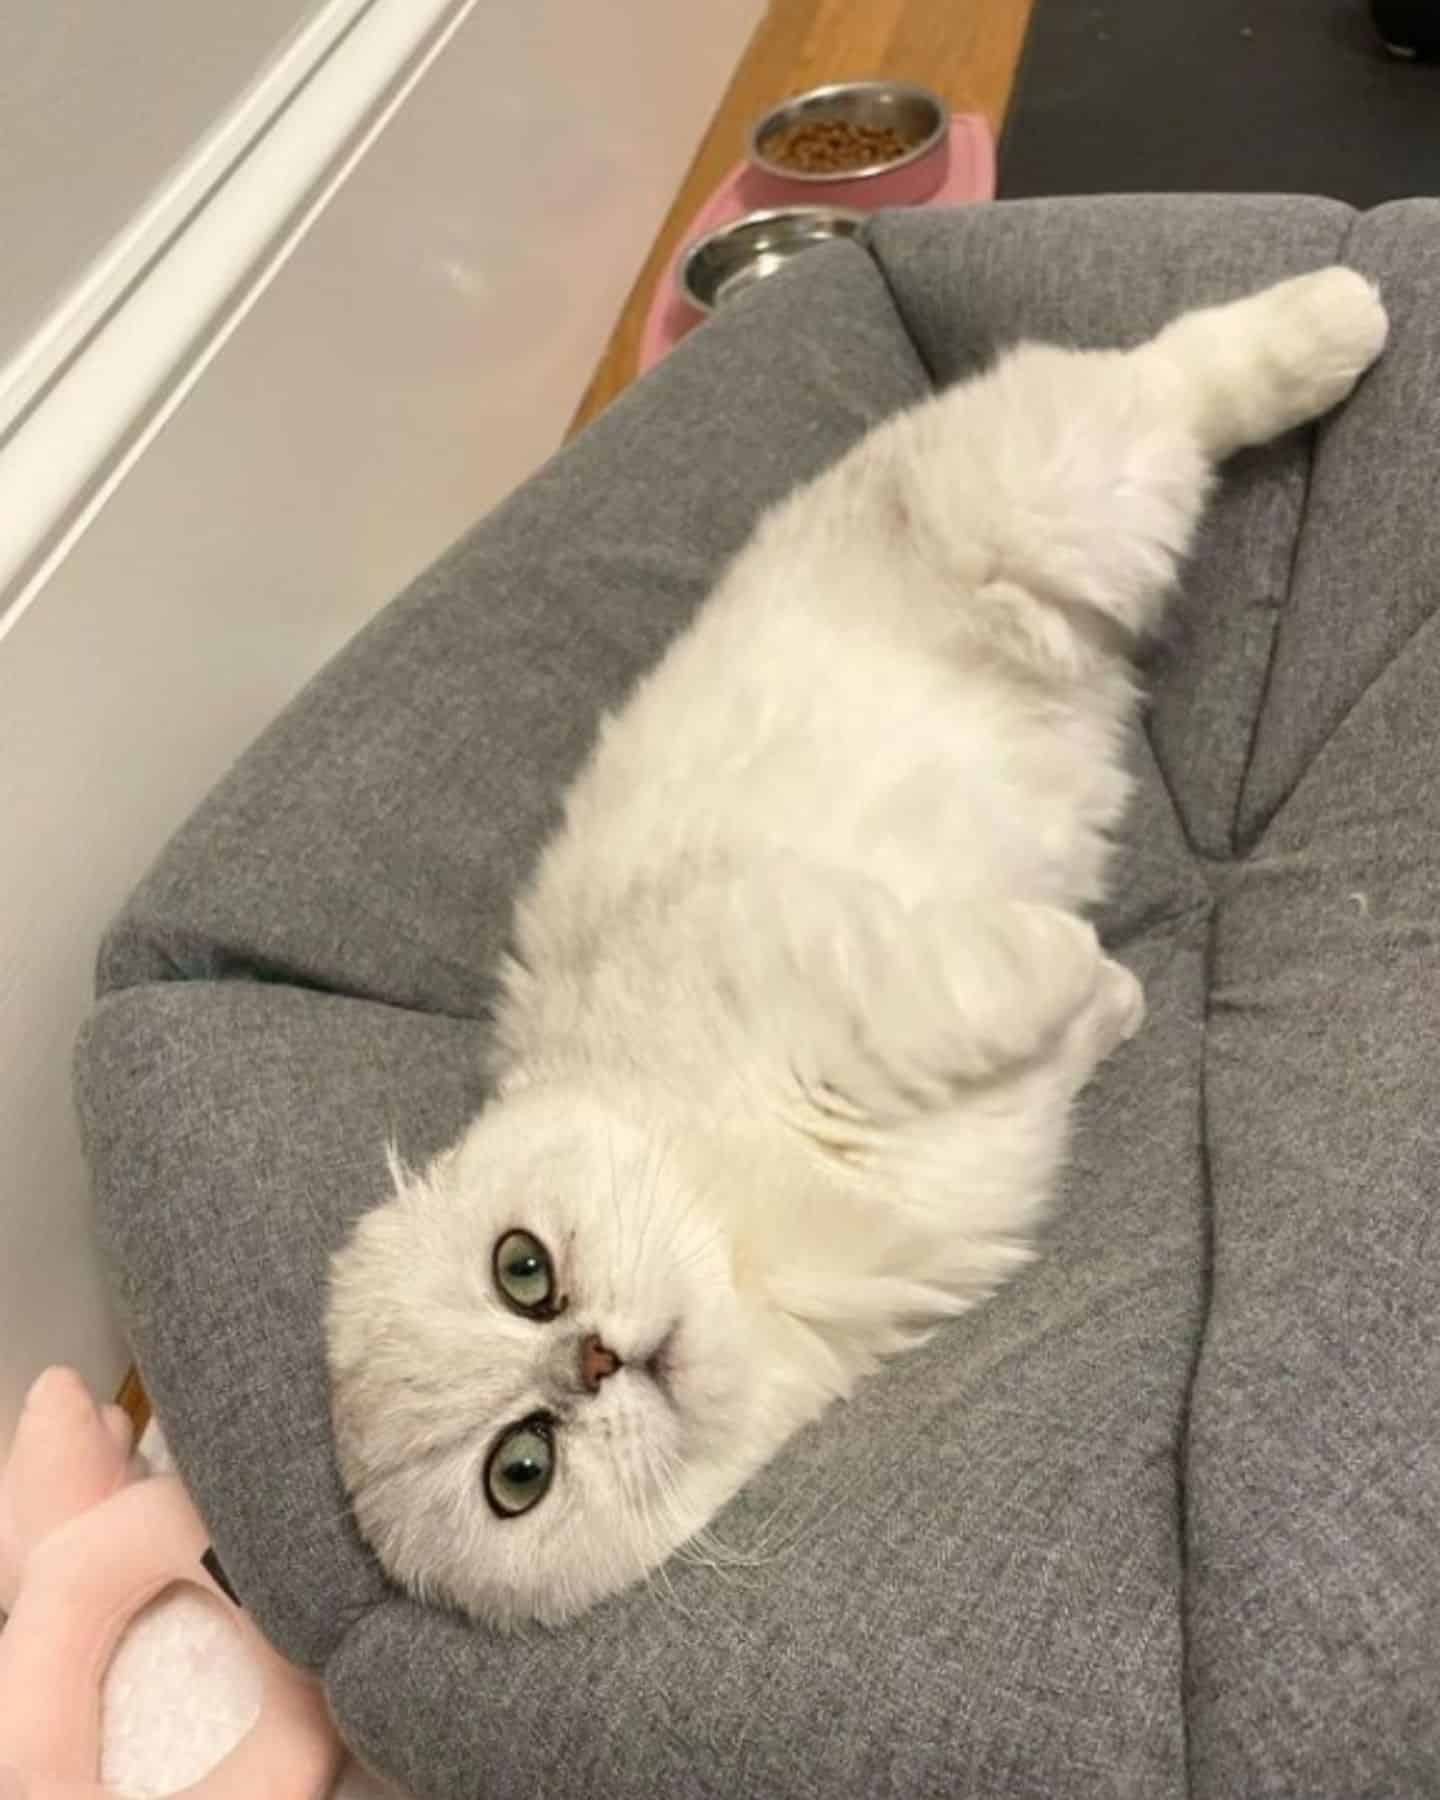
(136, 1403)
(966, 50)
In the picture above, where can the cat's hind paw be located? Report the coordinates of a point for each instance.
(1322, 333)
(1277, 359)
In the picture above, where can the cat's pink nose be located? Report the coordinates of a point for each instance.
(596, 1362)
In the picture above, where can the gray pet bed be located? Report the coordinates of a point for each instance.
(1163, 1518)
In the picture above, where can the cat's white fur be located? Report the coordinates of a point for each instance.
(802, 989)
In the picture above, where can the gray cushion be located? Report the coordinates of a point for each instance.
(1164, 1517)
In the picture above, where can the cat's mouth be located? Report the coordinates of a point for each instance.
(660, 1364)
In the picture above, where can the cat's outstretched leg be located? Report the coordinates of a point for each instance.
(1256, 367)
(1079, 476)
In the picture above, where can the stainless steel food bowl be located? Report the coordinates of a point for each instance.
(914, 112)
(734, 257)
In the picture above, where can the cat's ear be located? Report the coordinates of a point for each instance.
(878, 1012)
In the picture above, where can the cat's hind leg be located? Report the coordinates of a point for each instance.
(1079, 476)
(1246, 371)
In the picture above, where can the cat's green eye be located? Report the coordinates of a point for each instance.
(519, 1468)
(524, 1274)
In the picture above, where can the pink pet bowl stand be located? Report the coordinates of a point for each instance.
(970, 177)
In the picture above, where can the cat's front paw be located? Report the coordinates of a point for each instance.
(1118, 1009)
(1124, 998)
(1112, 1016)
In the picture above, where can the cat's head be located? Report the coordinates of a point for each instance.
(543, 1375)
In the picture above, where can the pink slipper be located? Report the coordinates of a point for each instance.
(83, 1549)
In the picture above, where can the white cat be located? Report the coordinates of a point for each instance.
(802, 991)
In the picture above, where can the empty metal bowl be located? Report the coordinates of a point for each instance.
(916, 115)
(734, 257)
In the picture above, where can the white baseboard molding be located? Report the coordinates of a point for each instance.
(45, 353)
(99, 387)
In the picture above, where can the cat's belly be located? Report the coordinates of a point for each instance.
(938, 781)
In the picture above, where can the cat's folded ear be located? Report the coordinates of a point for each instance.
(878, 1012)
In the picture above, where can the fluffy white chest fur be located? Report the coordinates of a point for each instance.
(802, 991)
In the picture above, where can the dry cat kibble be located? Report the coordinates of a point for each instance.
(830, 146)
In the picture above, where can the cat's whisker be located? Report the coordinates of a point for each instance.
(615, 1207)
(649, 1540)
(641, 1233)
(702, 1546)
(774, 1537)
(660, 1152)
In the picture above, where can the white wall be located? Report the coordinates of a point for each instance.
(418, 355)
(97, 104)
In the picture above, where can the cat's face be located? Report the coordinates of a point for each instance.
(542, 1377)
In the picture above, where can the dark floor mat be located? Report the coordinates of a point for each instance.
(1221, 96)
